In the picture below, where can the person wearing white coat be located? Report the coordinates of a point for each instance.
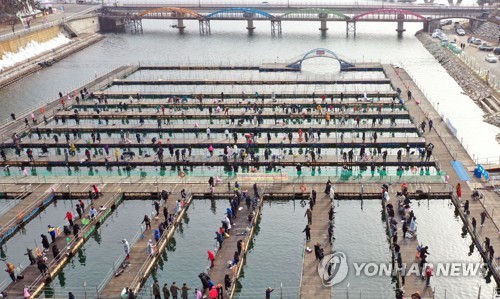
(126, 247)
(228, 222)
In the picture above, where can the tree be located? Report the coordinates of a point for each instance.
(10, 10)
(10, 20)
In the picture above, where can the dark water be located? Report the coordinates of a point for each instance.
(230, 44)
(275, 257)
(450, 244)
(29, 237)
(186, 255)
(96, 258)
(360, 234)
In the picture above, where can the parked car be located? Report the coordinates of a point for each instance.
(485, 47)
(491, 58)
(446, 22)
(460, 31)
(496, 51)
(475, 41)
(437, 33)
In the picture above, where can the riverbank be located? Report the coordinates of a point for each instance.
(46, 59)
(473, 86)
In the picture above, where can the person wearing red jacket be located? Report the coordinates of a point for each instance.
(69, 216)
(213, 294)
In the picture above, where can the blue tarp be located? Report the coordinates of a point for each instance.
(460, 170)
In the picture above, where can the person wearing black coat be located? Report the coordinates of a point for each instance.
(45, 241)
(55, 251)
(227, 282)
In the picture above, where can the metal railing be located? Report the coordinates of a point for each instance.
(17, 219)
(13, 202)
(51, 105)
(248, 240)
(488, 160)
(482, 72)
(119, 261)
(49, 24)
(453, 144)
(65, 252)
(494, 263)
(138, 279)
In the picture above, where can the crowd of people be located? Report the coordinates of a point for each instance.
(39, 256)
(404, 214)
(208, 287)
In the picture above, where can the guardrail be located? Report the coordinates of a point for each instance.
(117, 264)
(50, 106)
(492, 264)
(67, 251)
(12, 202)
(488, 160)
(49, 24)
(119, 261)
(13, 224)
(481, 71)
(139, 279)
(248, 240)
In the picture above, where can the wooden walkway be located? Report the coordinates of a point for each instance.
(51, 108)
(248, 82)
(284, 160)
(32, 277)
(238, 104)
(245, 97)
(311, 283)
(35, 201)
(234, 114)
(408, 248)
(220, 128)
(141, 263)
(229, 246)
(447, 149)
(384, 142)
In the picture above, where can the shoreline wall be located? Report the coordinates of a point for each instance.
(13, 45)
(81, 25)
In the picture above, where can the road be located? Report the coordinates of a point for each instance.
(69, 10)
(473, 51)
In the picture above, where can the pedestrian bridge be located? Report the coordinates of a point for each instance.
(296, 63)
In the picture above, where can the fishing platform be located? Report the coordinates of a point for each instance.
(135, 136)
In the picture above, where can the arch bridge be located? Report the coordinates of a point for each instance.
(296, 63)
(387, 15)
(309, 14)
(384, 15)
(399, 15)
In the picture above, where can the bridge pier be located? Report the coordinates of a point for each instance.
(323, 27)
(432, 25)
(400, 28)
(350, 27)
(275, 27)
(426, 26)
(250, 25)
(180, 25)
(205, 27)
(474, 23)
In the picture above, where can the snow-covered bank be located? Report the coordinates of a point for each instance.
(32, 49)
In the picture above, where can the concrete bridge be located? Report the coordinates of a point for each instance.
(118, 17)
